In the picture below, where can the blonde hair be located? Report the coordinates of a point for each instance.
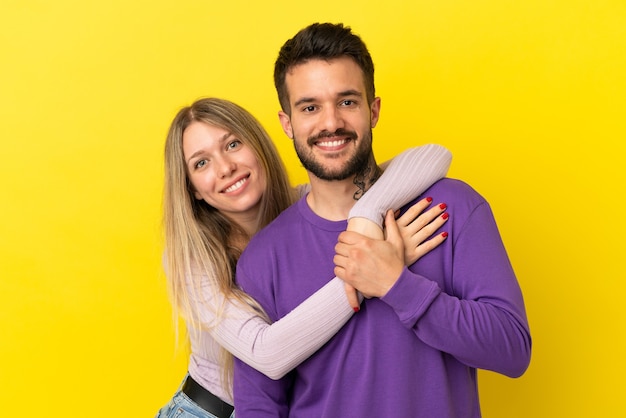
(199, 239)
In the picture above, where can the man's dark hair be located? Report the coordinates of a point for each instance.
(325, 41)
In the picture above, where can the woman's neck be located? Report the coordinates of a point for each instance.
(243, 228)
(239, 240)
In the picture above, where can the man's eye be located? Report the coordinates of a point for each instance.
(309, 109)
(347, 102)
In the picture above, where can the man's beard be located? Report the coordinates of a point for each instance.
(356, 164)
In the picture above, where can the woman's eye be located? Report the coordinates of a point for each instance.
(234, 144)
(200, 164)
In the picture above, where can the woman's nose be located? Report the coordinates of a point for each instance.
(225, 167)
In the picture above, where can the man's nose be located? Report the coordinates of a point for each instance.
(331, 119)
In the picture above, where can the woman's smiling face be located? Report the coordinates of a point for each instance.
(223, 171)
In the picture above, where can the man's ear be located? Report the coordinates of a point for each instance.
(285, 122)
(375, 112)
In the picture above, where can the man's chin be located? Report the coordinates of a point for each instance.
(329, 175)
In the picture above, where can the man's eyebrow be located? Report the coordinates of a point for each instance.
(303, 101)
(344, 93)
(350, 93)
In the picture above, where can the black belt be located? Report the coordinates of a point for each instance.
(206, 400)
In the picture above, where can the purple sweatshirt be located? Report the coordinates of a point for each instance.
(413, 353)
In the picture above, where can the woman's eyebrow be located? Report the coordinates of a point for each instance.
(200, 151)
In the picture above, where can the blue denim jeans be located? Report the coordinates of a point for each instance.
(182, 407)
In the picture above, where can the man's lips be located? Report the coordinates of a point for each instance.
(332, 143)
(334, 139)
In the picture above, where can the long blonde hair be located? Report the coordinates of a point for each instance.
(199, 240)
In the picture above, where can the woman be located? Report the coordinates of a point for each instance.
(224, 180)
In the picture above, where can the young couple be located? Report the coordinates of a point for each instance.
(304, 343)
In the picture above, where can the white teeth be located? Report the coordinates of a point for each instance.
(235, 186)
(335, 143)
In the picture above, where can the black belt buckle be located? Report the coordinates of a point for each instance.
(206, 400)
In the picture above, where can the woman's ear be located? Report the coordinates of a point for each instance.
(193, 190)
(285, 122)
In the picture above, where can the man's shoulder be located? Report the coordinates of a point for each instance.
(272, 234)
(452, 184)
(456, 194)
(454, 189)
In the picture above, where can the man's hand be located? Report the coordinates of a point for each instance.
(369, 265)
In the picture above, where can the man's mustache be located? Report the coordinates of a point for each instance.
(326, 134)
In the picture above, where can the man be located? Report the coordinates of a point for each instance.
(413, 349)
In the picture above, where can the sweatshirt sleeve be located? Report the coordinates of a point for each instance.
(275, 349)
(477, 314)
(407, 176)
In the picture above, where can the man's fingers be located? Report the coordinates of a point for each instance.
(349, 237)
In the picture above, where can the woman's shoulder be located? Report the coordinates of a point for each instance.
(302, 189)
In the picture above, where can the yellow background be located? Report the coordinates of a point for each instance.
(530, 96)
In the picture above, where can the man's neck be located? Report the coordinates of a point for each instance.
(333, 200)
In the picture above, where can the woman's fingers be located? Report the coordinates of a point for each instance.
(419, 229)
(353, 297)
(413, 212)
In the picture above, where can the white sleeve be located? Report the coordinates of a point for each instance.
(276, 349)
(407, 176)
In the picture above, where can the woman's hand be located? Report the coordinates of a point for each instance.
(417, 226)
(354, 299)
(415, 229)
